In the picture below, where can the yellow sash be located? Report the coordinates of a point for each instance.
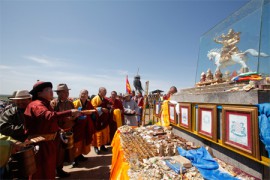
(77, 103)
(164, 120)
(117, 117)
(96, 101)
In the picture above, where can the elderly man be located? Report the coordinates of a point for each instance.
(62, 103)
(102, 135)
(172, 91)
(42, 120)
(130, 110)
(165, 118)
(12, 119)
(84, 128)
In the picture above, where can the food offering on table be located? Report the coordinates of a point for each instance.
(233, 171)
(151, 141)
(134, 143)
(151, 153)
(178, 163)
(158, 130)
(125, 129)
(156, 168)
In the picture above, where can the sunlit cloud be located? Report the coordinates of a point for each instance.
(5, 67)
(18, 77)
(49, 61)
(76, 81)
(37, 59)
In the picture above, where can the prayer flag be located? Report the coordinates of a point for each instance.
(128, 88)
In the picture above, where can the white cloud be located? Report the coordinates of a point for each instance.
(5, 67)
(23, 77)
(49, 61)
(40, 60)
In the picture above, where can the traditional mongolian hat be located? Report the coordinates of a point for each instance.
(62, 87)
(39, 86)
(21, 94)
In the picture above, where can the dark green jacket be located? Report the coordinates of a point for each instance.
(12, 123)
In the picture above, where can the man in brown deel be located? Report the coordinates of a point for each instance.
(65, 152)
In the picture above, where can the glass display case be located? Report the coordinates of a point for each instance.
(240, 43)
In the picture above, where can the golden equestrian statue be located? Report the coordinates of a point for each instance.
(229, 42)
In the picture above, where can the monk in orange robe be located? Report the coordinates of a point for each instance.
(172, 91)
(84, 128)
(102, 134)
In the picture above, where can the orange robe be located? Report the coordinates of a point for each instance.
(102, 134)
(83, 130)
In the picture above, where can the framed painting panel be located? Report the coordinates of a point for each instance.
(240, 129)
(207, 121)
(185, 115)
(172, 113)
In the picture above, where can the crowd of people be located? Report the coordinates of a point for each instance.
(64, 130)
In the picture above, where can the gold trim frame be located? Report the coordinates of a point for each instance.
(207, 121)
(240, 129)
(174, 119)
(185, 116)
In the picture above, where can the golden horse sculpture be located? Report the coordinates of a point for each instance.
(229, 54)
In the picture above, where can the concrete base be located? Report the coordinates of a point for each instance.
(219, 94)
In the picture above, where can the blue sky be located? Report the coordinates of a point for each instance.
(88, 44)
